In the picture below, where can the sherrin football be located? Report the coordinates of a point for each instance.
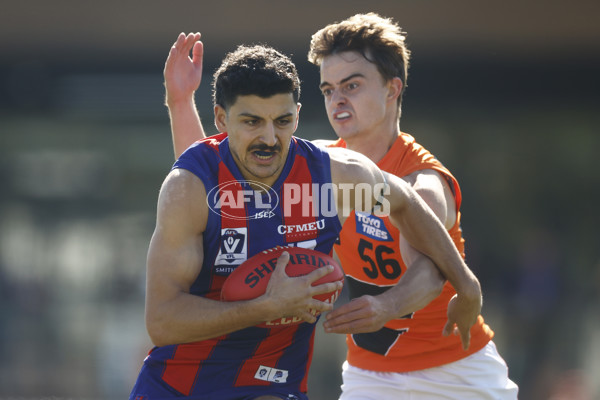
(250, 279)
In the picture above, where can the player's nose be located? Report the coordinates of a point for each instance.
(269, 135)
(338, 97)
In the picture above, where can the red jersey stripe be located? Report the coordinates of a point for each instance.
(180, 371)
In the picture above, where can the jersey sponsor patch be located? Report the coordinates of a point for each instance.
(233, 250)
(271, 374)
(371, 226)
(301, 230)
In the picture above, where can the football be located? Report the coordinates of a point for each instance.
(250, 279)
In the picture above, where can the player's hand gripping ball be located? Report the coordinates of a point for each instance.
(250, 279)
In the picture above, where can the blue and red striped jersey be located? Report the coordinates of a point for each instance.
(295, 211)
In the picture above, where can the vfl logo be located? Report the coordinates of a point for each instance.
(241, 195)
(232, 242)
(233, 250)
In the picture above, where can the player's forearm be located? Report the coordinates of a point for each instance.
(422, 229)
(189, 318)
(186, 126)
(420, 284)
(437, 245)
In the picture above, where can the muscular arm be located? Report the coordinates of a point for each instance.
(182, 78)
(421, 230)
(175, 256)
(437, 245)
(430, 186)
(463, 308)
(408, 212)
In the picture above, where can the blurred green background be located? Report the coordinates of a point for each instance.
(506, 94)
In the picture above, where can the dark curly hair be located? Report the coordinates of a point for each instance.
(254, 70)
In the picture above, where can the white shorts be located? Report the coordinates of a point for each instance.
(482, 375)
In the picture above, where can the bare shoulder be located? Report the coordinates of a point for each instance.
(424, 177)
(323, 142)
(359, 182)
(343, 154)
(436, 191)
(182, 200)
(352, 167)
(182, 181)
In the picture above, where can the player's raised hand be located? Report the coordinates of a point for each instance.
(183, 73)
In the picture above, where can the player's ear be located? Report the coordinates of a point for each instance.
(395, 86)
(299, 105)
(220, 118)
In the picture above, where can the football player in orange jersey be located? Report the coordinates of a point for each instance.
(399, 306)
(364, 62)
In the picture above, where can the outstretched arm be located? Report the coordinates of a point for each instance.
(422, 229)
(182, 78)
(432, 239)
(420, 284)
(435, 191)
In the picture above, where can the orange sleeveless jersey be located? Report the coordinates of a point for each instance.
(370, 256)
